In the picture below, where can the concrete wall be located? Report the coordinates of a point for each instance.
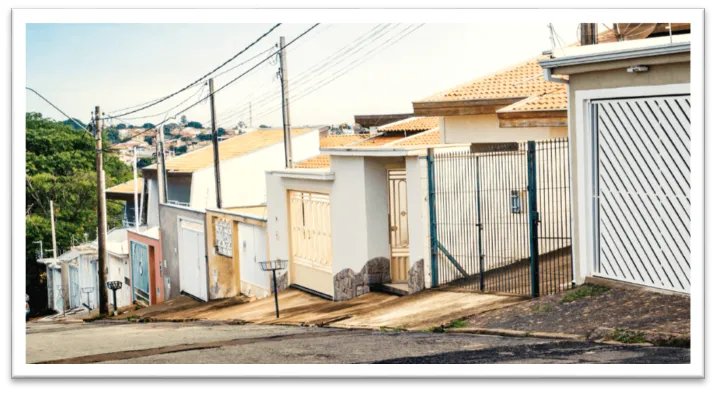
(486, 129)
(152, 202)
(242, 178)
(168, 218)
(658, 74)
(418, 223)
(119, 270)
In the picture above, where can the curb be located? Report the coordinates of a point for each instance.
(518, 333)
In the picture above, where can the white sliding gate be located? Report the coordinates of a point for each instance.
(192, 258)
(641, 189)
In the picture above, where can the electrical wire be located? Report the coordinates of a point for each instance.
(58, 109)
(233, 80)
(200, 79)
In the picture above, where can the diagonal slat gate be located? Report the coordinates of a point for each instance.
(642, 190)
(501, 217)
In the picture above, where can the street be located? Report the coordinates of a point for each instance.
(200, 342)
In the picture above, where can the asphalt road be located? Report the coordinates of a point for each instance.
(196, 343)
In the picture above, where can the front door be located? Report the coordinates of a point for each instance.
(139, 255)
(75, 300)
(398, 221)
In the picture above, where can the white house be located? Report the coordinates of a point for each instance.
(630, 137)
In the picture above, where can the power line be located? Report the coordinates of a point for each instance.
(336, 58)
(55, 106)
(235, 79)
(200, 79)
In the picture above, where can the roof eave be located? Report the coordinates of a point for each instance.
(462, 107)
(626, 54)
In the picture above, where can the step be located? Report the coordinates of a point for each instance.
(399, 289)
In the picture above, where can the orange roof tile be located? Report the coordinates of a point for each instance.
(127, 187)
(228, 149)
(341, 140)
(322, 161)
(424, 138)
(553, 101)
(379, 141)
(523, 80)
(411, 124)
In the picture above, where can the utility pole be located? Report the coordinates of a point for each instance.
(588, 34)
(52, 224)
(288, 150)
(136, 190)
(215, 144)
(101, 215)
(160, 165)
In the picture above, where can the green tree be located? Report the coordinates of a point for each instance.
(264, 126)
(121, 126)
(144, 161)
(194, 124)
(60, 166)
(147, 125)
(149, 139)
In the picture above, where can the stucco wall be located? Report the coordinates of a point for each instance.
(168, 215)
(659, 74)
(119, 269)
(242, 178)
(486, 129)
(152, 202)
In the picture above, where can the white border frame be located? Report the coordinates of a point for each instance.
(585, 162)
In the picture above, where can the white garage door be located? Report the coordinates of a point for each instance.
(641, 190)
(192, 258)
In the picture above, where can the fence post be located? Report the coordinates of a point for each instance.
(480, 256)
(433, 219)
(533, 217)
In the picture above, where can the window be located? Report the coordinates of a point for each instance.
(516, 201)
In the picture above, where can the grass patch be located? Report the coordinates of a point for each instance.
(543, 308)
(583, 292)
(628, 336)
(458, 323)
(132, 317)
(94, 318)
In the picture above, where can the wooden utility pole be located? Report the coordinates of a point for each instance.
(101, 216)
(160, 165)
(52, 223)
(288, 150)
(136, 191)
(215, 144)
(588, 34)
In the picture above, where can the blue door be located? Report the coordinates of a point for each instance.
(139, 254)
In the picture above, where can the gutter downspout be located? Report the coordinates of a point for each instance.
(549, 78)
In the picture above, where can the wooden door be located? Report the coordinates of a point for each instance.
(398, 221)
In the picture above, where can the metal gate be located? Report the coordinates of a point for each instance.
(642, 190)
(398, 218)
(139, 255)
(192, 259)
(500, 217)
(311, 244)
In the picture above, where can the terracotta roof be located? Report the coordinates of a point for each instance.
(322, 161)
(379, 141)
(228, 149)
(411, 124)
(553, 101)
(520, 81)
(341, 140)
(127, 187)
(424, 138)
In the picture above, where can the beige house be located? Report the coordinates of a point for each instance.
(630, 137)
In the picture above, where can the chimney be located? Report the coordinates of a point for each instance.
(588, 34)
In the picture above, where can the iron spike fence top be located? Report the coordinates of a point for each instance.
(114, 285)
(276, 264)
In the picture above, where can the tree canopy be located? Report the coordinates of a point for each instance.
(147, 125)
(60, 166)
(194, 124)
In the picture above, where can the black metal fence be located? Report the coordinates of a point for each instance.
(500, 217)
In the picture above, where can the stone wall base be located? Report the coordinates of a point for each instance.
(347, 284)
(416, 277)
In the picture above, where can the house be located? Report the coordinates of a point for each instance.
(73, 279)
(191, 193)
(630, 145)
(148, 285)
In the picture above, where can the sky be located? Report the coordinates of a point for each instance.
(335, 71)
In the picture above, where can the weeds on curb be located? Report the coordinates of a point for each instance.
(543, 308)
(583, 292)
(458, 323)
(628, 336)
(388, 329)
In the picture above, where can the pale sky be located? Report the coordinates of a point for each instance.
(78, 66)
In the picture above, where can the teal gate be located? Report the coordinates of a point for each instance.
(139, 255)
(500, 217)
(75, 300)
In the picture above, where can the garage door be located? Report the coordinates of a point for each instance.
(311, 251)
(641, 190)
(192, 259)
